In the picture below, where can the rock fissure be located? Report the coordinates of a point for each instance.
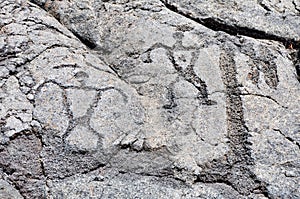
(158, 98)
(293, 141)
(297, 7)
(218, 25)
(264, 6)
(89, 44)
(264, 96)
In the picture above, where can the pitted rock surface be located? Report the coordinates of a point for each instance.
(149, 99)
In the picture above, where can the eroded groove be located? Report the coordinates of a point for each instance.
(263, 5)
(233, 169)
(265, 96)
(288, 138)
(219, 25)
(85, 41)
(296, 7)
(296, 60)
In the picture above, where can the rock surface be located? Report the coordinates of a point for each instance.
(149, 99)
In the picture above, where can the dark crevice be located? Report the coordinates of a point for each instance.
(265, 96)
(12, 182)
(296, 7)
(170, 97)
(231, 29)
(29, 60)
(219, 25)
(264, 6)
(24, 132)
(288, 138)
(87, 171)
(13, 73)
(162, 175)
(295, 54)
(85, 41)
(66, 66)
(46, 25)
(99, 166)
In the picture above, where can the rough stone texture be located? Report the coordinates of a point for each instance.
(8, 191)
(149, 99)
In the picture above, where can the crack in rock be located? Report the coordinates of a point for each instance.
(153, 98)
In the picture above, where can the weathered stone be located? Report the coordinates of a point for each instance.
(149, 99)
(82, 138)
(80, 101)
(49, 108)
(8, 191)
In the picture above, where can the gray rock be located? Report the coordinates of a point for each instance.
(149, 99)
(8, 191)
(258, 19)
